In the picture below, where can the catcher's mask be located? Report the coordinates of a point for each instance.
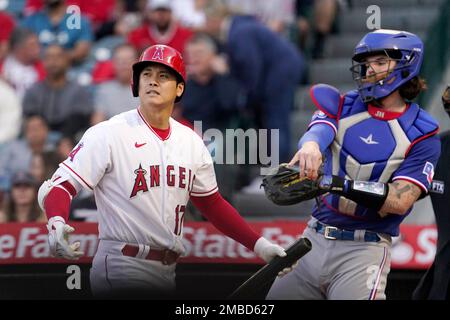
(403, 47)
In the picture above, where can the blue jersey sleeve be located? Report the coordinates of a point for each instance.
(320, 117)
(322, 129)
(418, 166)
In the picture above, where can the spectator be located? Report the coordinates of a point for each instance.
(114, 97)
(22, 205)
(98, 12)
(10, 113)
(160, 28)
(269, 67)
(17, 155)
(190, 13)
(318, 16)
(278, 15)
(64, 147)
(7, 24)
(54, 25)
(127, 17)
(43, 165)
(64, 104)
(324, 16)
(22, 67)
(304, 18)
(213, 97)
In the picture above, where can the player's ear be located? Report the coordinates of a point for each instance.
(180, 88)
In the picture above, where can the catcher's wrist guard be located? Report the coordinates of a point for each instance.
(285, 187)
(366, 193)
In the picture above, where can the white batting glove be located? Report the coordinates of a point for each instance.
(267, 250)
(58, 240)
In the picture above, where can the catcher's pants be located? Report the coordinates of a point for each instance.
(337, 270)
(116, 275)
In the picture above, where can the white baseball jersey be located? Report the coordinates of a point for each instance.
(142, 183)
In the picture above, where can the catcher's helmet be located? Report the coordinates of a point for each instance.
(404, 47)
(162, 54)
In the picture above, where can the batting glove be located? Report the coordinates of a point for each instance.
(267, 250)
(58, 240)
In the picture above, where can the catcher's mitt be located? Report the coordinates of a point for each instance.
(285, 187)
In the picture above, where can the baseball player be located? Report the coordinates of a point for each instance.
(143, 167)
(380, 150)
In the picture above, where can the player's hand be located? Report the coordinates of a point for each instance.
(58, 240)
(285, 271)
(309, 159)
(267, 250)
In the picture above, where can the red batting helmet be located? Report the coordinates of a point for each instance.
(162, 54)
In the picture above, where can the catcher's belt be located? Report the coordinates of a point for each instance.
(333, 233)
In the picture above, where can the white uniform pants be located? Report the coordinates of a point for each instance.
(115, 275)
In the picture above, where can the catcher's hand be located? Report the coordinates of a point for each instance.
(286, 187)
(58, 237)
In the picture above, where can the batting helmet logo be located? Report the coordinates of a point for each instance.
(161, 54)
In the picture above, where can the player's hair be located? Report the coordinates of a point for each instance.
(411, 89)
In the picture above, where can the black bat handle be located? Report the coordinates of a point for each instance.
(297, 250)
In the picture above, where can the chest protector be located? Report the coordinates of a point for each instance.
(368, 146)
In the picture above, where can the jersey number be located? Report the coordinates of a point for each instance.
(179, 218)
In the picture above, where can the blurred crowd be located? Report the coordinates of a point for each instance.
(66, 65)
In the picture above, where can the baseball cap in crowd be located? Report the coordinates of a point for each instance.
(24, 178)
(159, 4)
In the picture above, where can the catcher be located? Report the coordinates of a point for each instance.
(382, 149)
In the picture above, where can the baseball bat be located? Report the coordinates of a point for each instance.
(253, 285)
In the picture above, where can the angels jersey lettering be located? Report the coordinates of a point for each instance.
(142, 183)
